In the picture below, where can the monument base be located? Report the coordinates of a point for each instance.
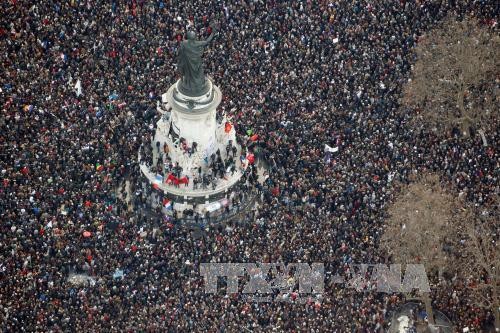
(187, 91)
(196, 161)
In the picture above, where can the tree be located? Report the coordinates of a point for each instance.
(479, 238)
(453, 79)
(418, 223)
(432, 226)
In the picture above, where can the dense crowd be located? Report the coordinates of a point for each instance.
(79, 86)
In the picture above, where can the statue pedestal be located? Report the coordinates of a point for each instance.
(205, 89)
(194, 118)
(189, 122)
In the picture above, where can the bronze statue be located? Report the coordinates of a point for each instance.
(190, 65)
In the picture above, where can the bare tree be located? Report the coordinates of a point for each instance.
(419, 221)
(479, 239)
(432, 226)
(454, 80)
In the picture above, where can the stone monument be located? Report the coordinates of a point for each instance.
(190, 138)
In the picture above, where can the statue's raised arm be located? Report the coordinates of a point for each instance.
(212, 35)
(190, 65)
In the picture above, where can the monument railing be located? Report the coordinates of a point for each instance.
(223, 215)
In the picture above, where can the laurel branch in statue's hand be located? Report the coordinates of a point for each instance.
(214, 26)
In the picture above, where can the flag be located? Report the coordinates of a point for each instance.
(254, 137)
(184, 180)
(167, 204)
(330, 149)
(113, 96)
(158, 179)
(78, 88)
(171, 179)
(249, 132)
(227, 127)
(118, 274)
(251, 158)
(99, 167)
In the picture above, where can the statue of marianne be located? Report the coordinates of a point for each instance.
(190, 65)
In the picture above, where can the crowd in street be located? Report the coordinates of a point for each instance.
(79, 85)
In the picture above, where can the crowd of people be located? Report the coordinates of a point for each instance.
(79, 86)
(207, 171)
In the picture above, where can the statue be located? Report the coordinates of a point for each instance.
(189, 63)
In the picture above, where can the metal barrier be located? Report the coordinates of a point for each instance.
(222, 216)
